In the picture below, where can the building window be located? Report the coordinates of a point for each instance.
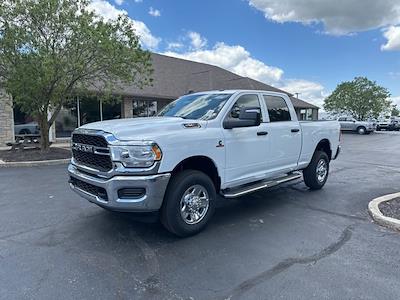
(144, 108)
(89, 109)
(306, 114)
(24, 123)
(66, 120)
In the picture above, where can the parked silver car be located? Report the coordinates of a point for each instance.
(351, 124)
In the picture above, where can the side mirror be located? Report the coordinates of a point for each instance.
(248, 116)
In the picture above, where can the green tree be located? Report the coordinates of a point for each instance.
(50, 50)
(395, 111)
(361, 98)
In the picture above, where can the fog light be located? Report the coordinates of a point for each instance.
(131, 193)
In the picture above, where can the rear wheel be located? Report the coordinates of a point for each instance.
(189, 203)
(316, 174)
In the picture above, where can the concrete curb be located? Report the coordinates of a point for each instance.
(53, 162)
(373, 208)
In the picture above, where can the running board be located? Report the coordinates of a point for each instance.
(250, 188)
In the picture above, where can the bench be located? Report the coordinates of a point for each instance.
(23, 141)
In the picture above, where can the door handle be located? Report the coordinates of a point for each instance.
(262, 133)
(295, 130)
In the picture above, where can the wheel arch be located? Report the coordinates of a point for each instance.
(200, 163)
(324, 145)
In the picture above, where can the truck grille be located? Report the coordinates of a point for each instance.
(89, 188)
(86, 139)
(101, 162)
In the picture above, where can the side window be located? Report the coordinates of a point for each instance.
(342, 119)
(250, 100)
(278, 110)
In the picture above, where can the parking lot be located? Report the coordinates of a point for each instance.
(287, 242)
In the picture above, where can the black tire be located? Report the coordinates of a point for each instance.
(310, 175)
(378, 128)
(361, 130)
(171, 216)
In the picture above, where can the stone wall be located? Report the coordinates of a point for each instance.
(127, 108)
(6, 119)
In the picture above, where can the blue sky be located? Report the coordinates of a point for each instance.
(290, 44)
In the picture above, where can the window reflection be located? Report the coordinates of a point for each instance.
(144, 108)
(196, 107)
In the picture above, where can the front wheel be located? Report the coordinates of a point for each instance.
(189, 203)
(316, 174)
(361, 130)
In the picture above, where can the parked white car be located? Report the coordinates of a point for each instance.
(388, 124)
(230, 143)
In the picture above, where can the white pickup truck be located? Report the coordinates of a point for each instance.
(229, 142)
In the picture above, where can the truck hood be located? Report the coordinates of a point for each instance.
(146, 128)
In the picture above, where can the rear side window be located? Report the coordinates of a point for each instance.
(278, 110)
(342, 119)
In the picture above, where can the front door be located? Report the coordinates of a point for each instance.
(246, 148)
(347, 123)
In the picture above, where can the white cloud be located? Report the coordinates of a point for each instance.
(110, 12)
(196, 40)
(338, 17)
(238, 60)
(392, 34)
(235, 59)
(396, 101)
(174, 46)
(154, 12)
(310, 91)
(119, 2)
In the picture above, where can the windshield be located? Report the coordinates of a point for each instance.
(196, 107)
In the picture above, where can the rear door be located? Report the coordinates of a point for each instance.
(284, 133)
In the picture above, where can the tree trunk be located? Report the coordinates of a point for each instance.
(44, 132)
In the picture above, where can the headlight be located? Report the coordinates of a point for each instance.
(136, 156)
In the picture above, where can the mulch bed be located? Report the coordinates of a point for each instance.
(391, 208)
(34, 154)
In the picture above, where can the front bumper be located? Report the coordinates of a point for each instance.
(154, 187)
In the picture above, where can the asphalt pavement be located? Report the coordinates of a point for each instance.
(287, 242)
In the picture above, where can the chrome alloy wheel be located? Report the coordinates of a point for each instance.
(194, 204)
(322, 170)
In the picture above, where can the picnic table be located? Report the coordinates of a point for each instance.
(23, 141)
